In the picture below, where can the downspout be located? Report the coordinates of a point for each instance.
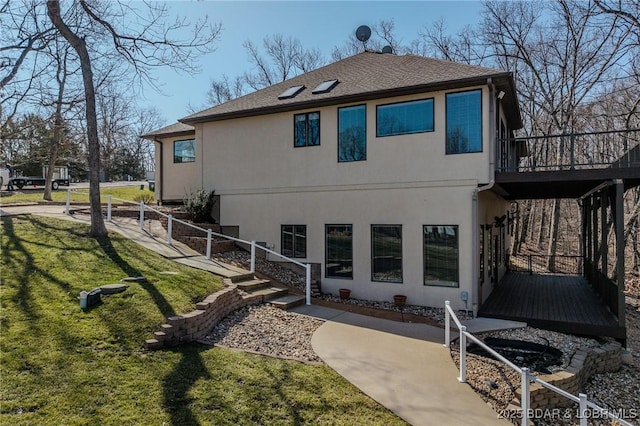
(475, 303)
(161, 170)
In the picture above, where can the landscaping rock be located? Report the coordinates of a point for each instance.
(113, 288)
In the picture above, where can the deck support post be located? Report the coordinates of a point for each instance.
(618, 218)
(604, 247)
(594, 226)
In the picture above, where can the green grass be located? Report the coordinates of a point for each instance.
(59, 365)
(78, 196)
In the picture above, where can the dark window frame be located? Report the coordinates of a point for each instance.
(446, 123)
(175, 142)
(433, 118)
(373, 279)
(293, 253)
(365, 133)
(326, 251)
(434, 283)
(306, 121)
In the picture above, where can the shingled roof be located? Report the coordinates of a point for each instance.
(176, 129)
(365, 76)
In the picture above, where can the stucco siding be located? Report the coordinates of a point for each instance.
(260, 217)
(258, 152)
(177, 179)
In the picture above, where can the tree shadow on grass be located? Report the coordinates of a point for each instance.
(161, 302)
(180, 380)
(16, 256)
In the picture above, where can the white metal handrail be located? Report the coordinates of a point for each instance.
(210, 234)
(525, 377)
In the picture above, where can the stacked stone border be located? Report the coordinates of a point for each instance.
(585, 363)
(192, 326)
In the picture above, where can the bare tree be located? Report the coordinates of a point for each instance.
(62, 73)
(283, 58)
(23, 35)
(150, 44)
(279, 59)
(225, 89)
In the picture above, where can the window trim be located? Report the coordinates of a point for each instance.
(446, 121)
(433, 117)
(434, 283)
(401, 254)
(326, 251)
(293, 241)
(306, 121)
(193, 141)
(338, 133)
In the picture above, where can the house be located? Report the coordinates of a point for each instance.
(378, 167)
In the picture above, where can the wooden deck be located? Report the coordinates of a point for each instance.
(561, 303)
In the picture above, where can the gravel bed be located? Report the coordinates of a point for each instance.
(292, 279)
(618, 391)
(267, 330)
(272, 331)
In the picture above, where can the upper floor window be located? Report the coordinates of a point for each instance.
(464, 122)
(440, 251)
(294, 240)
(352, 133)
(306, 129)
(405, 117)
(184, 151)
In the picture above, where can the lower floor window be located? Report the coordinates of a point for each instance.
(294, 240)
(386, 253)
(441, 251)
(339, 251)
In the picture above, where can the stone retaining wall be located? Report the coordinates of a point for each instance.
(585, 363)
(192, 326)
(194, 238)
(199, 244)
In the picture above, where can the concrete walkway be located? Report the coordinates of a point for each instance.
(403, 366)
(153, 237)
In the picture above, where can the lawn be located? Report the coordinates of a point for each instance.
(59, 365)
(130, 193)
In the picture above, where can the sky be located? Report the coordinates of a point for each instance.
(317, 24)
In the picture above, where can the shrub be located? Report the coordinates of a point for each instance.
(199, 205)
(144, 198)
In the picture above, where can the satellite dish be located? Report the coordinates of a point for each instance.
(363, 33)
(387, 49)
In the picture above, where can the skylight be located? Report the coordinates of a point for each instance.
(290, 92)
(325, 87)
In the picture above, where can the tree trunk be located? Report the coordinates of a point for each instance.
(98, 228)
(57, 129)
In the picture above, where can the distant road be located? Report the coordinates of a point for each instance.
(85, 185)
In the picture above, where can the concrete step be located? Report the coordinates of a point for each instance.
(252, 284)
(287, 302)
(242, 277)
(270, 293)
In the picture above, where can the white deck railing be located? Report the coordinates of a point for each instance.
(525, 377)
(170, 219)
